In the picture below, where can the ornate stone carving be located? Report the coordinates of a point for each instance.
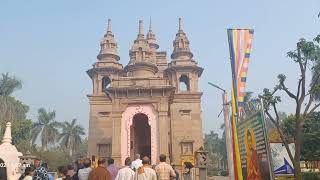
(201, 157)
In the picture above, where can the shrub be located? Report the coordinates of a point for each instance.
(311, 176)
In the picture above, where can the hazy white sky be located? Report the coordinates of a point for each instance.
(49, 45)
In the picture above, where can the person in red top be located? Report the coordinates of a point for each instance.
(100, 173)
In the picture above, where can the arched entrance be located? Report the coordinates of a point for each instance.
(140, 136)
(3, 170)
(145, 118)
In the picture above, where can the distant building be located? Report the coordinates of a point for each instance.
(27, 158)
(150, 106)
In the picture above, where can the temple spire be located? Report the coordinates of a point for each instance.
(180, 24)
(7, 134)
(150, 25)
(151, 38)
(109, 46)
(140, 32)
(181, 45)
(109, 26)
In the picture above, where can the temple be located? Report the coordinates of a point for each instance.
(150, 106)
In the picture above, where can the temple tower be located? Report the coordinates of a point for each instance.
(185, 109)
(102, 73)
(150, 106)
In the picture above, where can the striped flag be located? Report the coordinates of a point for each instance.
(240, 41)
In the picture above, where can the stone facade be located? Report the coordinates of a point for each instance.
(150, 106)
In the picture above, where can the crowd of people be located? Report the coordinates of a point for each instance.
(139, 169)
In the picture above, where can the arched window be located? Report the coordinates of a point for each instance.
(184, 83)
(105, 83)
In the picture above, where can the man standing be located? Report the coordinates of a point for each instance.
(83, 174)
(126, 173)
(113, 170)
(164, 171)
(45, 165)
(100, 173)
(145, 172)
(136, 163)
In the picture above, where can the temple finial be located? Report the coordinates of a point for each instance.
(7, 134)
(140, 27)
(180, 24)
(109, 25)
(150, 25)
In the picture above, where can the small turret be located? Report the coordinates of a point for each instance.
(151, 38)
(181, 45)
(142, 60)
(109, 46)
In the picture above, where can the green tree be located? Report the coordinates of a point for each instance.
(82, 150)
(307, 57)
(9, 107)
(71, 135)
(9, 84)
(55, 157)
(310, 136)
(14, 111)
(21, 134)
(46, 128)
(217, 151)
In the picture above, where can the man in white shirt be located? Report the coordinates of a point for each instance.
(136, 163)
(126, 173)
(83, 174)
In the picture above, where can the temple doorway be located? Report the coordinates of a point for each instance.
(140, 136)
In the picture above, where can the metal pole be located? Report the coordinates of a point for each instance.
(227, 125)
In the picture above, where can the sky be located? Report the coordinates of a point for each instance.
(49, 45)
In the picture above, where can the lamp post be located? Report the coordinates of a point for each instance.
(227, 126)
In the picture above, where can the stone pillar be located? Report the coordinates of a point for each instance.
(201, 163)
(116, 137)
(163, 133)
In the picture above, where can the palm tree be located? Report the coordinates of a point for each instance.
(46, 127)
(71, 135)
(8, 85)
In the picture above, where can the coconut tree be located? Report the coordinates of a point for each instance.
(8, 107)
(71, 135)
(46, 128)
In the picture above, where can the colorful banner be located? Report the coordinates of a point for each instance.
(255, 157)
(240, 41)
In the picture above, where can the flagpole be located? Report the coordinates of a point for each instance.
(228, 131)
(228, 134)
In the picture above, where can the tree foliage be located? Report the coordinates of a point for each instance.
(15, 111)
(10, 108)
(310, 137)
(26, 132)
(216, 147)
(306, 97)
(46, 128)
(71, 135)
(55, 157)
